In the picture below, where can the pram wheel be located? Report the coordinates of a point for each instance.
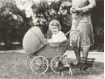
(84, 67)
(29, 59)
(54, 64)
(39, 65)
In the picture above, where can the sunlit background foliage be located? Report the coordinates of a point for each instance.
(17, 16)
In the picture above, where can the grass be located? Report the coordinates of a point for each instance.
(13, 66)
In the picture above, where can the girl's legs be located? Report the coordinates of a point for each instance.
(77, 54)
(85, 51)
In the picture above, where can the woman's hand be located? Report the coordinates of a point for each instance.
(74, 10)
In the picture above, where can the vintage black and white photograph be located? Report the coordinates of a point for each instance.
(51, 39)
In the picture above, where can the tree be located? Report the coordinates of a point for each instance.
(11, 20)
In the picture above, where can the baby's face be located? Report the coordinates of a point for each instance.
(54, 29)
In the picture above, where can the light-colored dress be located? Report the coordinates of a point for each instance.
(83, 24)
(59, 37)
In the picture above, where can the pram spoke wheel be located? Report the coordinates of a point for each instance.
(39, 65)
(84, 68)
(54, 64)
(29, 59)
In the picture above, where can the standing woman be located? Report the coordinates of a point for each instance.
(81, 36)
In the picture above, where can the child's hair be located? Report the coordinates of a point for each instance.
(55, 23)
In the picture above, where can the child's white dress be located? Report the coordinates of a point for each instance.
(59, 37)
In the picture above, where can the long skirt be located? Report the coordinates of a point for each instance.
(82, 36)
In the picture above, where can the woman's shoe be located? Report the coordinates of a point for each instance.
(75, 65)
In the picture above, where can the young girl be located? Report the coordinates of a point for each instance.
(57, 35)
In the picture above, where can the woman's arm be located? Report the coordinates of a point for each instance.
(92, 4)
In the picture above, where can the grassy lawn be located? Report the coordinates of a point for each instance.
(13, 66)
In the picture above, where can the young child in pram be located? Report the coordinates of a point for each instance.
(59, 37)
